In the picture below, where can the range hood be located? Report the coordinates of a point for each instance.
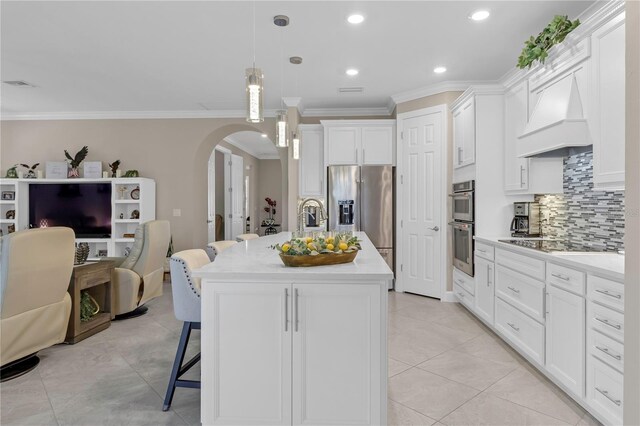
(557, 126)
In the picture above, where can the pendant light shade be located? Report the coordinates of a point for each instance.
(282, 137)
(255, 95)
(295, 141)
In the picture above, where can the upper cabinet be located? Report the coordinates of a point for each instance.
(311, 166)
(464, 133)
(359, 142)
(608, 116)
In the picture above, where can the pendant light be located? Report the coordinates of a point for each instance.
(295, 141)
(253, 81)
(282, 127)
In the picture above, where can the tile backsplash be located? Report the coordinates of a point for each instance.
(581, 214)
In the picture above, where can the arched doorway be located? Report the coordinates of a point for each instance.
(244, 169)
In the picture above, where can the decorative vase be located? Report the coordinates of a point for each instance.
(73, 172)
(82, 253)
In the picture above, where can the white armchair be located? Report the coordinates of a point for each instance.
(139, 277)
(35, 269)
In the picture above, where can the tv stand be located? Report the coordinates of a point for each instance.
(134, 211)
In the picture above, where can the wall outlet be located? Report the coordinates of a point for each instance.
(177, 212)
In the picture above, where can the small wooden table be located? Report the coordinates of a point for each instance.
(94, 277)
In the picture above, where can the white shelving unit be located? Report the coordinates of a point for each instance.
(133, 211)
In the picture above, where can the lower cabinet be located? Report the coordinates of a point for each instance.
(485, 296)
(565, 338)
(524, 333)
(292, 354)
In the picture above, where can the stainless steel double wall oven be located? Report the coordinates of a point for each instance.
(463, 225)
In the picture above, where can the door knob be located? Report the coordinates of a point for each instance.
(435, 228)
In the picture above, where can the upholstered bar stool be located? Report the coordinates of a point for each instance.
(186, 306)
(246, 237)
(219, 246)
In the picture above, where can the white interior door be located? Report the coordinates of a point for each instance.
(421, 199)
(211, 198)
(227, 197)
(237, 196)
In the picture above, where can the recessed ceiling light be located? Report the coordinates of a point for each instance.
(439, 70)
(264, 135)
(355, 19)
(479, 15)
(352, 71)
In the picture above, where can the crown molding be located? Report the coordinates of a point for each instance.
(128, 115)
(347, 112)
(231, 140)
(434, 89)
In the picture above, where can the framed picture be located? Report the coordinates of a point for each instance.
(11, 229)
(8, 195)
(11, 214)
(56, 170)
(102, 253)
(93, 169)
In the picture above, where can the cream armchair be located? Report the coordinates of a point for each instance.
(138, 278)
(35, 269)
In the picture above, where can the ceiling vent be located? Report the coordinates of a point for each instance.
(18, 83)
(351, 90)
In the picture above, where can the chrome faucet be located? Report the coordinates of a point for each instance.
(301, 212)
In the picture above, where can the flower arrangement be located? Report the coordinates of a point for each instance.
(339, 244)
(270, 209)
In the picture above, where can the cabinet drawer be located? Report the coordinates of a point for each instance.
(464, 297)
(606, 321)
(606, 292)
(604, 390)
(566, 278)
(521, 291)
(465, 281)
(484, 250)
(527, 265)
(522, 331)
(605, 348)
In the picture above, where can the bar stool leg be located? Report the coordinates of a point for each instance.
(177, 363)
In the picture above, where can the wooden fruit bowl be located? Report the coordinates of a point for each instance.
(318, 260)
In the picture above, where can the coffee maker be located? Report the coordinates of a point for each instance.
(526, 220)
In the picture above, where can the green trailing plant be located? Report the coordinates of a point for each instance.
(537, 49)
(88, 306)
(75, 161)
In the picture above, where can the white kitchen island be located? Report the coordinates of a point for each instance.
(293, 346)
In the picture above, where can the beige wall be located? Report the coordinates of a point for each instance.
(174, 152)
(269, 178)
(446, 98)
(632, 225)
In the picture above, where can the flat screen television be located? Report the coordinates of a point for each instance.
(83, 207)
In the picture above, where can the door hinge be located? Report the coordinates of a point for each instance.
(401, 267)
(402, 135)
(230, 163)
(230, 189)
(401, 223)
(401, 179)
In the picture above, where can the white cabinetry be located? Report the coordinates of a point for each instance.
(311, 170)
(565, 338)
(305, 353)
(608, 117)
(516, 170)
(464, 133)
(359, 142)
(485, 296)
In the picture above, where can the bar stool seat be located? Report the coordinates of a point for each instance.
(247, 237)
(218, 247)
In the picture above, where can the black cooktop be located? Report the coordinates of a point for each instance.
(549, 246)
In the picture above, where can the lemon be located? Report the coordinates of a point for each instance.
(308, 239)
(330, 240)
(330, 246)
(343, 246)
(285, 248)
(310, 246)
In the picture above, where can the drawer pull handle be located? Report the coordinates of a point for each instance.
(606, 394)
(606, 351)
(609, 323)
(562, 277)
(513, 326)
(608, 293)
(515, 290)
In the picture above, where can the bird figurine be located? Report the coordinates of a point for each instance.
(74, 162)
(31, 170)
(114, 168)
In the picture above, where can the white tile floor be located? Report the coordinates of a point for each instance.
(444, 368)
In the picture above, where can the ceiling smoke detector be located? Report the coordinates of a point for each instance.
(18, 83)
(281, 20)
(295, 60)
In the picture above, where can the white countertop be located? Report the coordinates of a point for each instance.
(255, 259)
(608, 265)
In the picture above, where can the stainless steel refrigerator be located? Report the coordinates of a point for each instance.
(360, 198)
